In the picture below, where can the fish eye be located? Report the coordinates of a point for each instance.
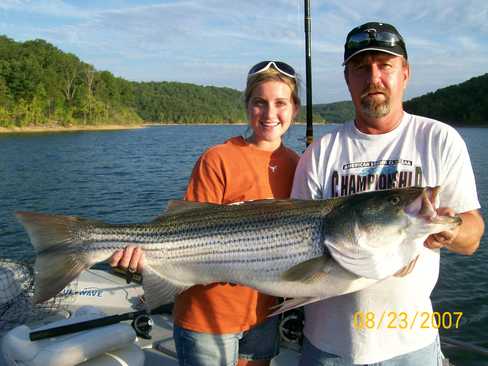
(395, 200)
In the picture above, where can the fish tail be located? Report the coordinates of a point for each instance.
(52, 237)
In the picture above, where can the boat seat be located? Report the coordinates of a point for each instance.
(112, 345)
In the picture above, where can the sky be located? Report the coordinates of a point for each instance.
(215, 42)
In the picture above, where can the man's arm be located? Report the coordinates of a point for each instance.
(465, 239)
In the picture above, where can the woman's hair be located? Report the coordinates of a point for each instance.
(271, 74)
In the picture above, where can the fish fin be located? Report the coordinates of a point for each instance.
(315, 277)
(47, 231)
(292, 304)
(177, 206)
(180, 206)
(159, 290)
(307, 271)
(54, 269)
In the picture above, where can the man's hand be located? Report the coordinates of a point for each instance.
(131, 258)
(464, 239)
(444, 238)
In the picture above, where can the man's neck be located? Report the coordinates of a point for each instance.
(378, 126)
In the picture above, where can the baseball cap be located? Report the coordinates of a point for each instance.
(374, 36)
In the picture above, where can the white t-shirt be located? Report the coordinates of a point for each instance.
(392, 317)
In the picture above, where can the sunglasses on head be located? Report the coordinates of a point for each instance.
(371, 36)
(279, 66)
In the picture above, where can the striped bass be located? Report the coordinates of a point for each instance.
(302, 249)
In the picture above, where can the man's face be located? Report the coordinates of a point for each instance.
(376, 81)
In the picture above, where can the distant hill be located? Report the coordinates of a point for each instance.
(336, 112)
(187, 103)
(40, 85)
(462, 104)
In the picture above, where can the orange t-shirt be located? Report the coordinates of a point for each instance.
(233, 172)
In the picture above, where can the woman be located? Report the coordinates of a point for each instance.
(222, 323)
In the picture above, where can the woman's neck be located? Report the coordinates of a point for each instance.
(263, 144)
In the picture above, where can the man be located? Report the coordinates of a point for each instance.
(385, 147)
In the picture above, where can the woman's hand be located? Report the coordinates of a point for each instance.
(131, 258)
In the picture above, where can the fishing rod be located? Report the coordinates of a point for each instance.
(141, 322)
(308, 72)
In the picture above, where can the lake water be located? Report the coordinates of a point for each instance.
(128, 176)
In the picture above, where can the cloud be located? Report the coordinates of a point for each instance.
(216, 41)
(56, 8)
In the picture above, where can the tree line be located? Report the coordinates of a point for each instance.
(336, 112)
(187, 103)
(462, 104)
(40, 85)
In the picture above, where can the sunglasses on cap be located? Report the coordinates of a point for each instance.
(279, 66)
(372, 37)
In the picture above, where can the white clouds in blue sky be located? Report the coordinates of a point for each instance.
(214, 42)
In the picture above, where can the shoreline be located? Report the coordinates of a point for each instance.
(114, 127)
(109, 127)
(35, 129)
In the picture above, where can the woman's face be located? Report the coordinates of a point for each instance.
(270, 112)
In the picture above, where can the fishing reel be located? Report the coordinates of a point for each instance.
(142, 325)
(291, 326)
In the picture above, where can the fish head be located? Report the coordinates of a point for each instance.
(375, 216)
(423, 215)
(375, 234)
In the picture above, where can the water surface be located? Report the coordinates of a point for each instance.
(129, 175)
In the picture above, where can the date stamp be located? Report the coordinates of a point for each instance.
(404, 320)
